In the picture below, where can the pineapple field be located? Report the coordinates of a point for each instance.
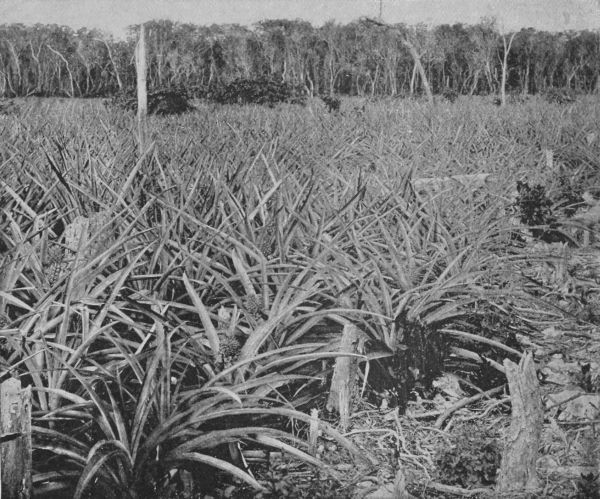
(304, 301)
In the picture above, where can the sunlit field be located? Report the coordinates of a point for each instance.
(174, 309)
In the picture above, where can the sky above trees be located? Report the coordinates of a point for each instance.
(115, 15)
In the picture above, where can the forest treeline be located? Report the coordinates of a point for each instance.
(359, 58)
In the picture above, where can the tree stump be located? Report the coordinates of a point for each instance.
(344, 380)
(15, 446)
(518, 476)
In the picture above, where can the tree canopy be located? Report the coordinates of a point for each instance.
(358, 58)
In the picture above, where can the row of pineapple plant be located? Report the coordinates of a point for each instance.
(204, 307)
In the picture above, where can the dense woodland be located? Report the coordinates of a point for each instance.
(360, 58)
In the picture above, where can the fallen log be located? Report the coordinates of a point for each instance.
(432, 185)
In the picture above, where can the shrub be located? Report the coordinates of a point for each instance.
(168, 102)
(473, 460)
(537, 208)
(261, 91)
(160, 102)
(450, 94)
(518, 98)
(332, 103)
(534, 205)
(560, 95)
(8, 107)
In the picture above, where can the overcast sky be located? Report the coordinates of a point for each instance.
(115, 15)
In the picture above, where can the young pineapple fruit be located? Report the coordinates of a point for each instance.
(56, 264)
(267, 239)
(253, 307)
(229, 344)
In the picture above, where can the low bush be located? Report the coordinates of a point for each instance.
(560, 95)
(472, 461)
(333, 103)
(8, 107)
(160, 102)
(450, 95)
(261, 91)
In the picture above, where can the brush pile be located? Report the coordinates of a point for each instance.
(160, 102)
(8, 107)
(560, 95)
(260, 91)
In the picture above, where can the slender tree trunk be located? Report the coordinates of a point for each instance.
(374, 81)
(489, 77)
(36, 58)
(8, 80)
(331, 77)
(412, 79)
(72, 93)
(475, 81)
(59, 80)
(570, 77)
(505, 67)
(142, 95)
(526, 84)
(110, 56)
(311, 85)
(359, 90)
(17, 66)
(419, 67)
(3, 84)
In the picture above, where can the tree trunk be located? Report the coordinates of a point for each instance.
(15, 429)
(518, 469)
(416, 58)
(72, 93)
(475, 81)
(110, 56)
(412, 79)
(504, 67)
(17, 66)
(489, 77)
(142, 95)
(345, 377)
(36, 58)
(527, 71)
(311, 85)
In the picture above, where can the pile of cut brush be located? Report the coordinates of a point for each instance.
(160, 102)
(560, 95)
(259, 91)
(8, 107)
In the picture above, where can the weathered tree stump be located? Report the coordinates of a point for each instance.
(518, 476)
(78, 236)
(344, 380)
(15, 446)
